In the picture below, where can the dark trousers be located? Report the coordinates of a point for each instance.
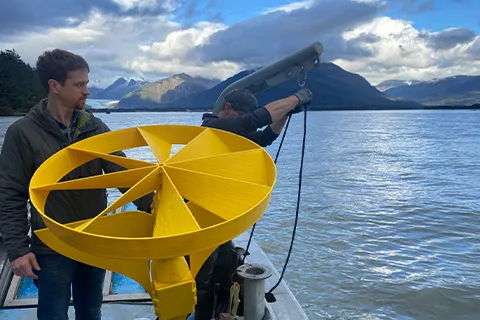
(204, 307)
(217, 268)
(58, 279)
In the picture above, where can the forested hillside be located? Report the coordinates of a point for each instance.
(20, 88)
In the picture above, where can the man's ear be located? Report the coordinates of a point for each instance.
(53, 85)
(227, 107)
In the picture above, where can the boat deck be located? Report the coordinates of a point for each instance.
(126, 299)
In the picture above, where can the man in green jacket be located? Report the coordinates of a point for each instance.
(55, 123)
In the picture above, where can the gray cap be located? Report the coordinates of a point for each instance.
(242, 100)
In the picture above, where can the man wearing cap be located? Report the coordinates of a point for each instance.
(240, 114)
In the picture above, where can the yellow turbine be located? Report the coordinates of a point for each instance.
(212, 190)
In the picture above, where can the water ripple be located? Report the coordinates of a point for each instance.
(389, 223)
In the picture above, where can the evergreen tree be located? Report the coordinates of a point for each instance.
(20, 88)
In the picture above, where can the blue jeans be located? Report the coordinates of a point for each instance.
(58, 279)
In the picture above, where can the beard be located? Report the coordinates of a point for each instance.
(81, 105)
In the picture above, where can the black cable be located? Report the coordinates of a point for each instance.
(269, 296)
(275, 161)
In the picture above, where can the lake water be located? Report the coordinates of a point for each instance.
(389, 226)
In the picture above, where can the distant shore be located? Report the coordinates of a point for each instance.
(9, 112)
(310, 108)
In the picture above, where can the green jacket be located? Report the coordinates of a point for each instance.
(28, 142)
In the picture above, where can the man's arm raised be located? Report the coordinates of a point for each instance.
(280, 108)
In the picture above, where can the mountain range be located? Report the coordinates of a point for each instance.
(155, 94)
(388, 84)
(332, 87)
(116, 90)
(456, 90)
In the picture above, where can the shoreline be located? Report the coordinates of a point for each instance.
(314, 108)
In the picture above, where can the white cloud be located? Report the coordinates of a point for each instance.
(111, 33)
(398, 43)
(292, 6)
(121, 46)
(173, 54)
(219, 70)
(354, 33)
(141, 4)
(178, 43)
(403, 52)
(30, 44)
(279, 33)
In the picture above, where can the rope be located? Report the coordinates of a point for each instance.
(269, 295)
(276, 158)
(235, 297)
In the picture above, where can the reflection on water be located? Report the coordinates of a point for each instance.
(389, 223)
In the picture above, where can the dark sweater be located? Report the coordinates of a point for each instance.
(246, 125)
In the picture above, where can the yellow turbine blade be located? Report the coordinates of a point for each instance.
(134, 223)
(172, 215)
(160, 147)
(212, 190)
(112, 141)
(209, 143)
(149, 183)
(127, 163)
(204, 217)
(59, 165)
(173, 133)
(248, 165)
(120, 179)
(205, 144)
(226, 198)
(198, 259)
(127, 224)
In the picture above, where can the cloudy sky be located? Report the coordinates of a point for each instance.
(379, 39)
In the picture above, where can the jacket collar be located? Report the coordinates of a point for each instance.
(39, 114)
